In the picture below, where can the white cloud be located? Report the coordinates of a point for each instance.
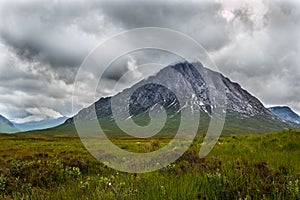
(133, 68)
(38, 114)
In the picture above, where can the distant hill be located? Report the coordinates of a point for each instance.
(6, 126)
(285, 113)
(245, 113)
(39, 125)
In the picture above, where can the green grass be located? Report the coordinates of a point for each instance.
(234, 124)
(35, 166)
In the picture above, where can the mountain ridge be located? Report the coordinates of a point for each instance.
(145, 94)
(7, 126)
(285, 113)
(40, 125)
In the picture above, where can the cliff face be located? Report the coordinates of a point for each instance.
(148, 93)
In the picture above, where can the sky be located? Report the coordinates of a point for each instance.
(43, 43)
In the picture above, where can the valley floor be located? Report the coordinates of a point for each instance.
(240, 167)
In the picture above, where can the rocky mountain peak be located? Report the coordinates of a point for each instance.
(167, 85)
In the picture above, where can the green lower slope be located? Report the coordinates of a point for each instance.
(234, 124)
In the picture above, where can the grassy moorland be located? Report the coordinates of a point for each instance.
(34, 166)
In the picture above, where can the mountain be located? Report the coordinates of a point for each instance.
(285, 113)
(6, 126)
(245, 113)
(39, 125)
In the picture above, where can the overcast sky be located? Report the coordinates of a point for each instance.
(42, 44)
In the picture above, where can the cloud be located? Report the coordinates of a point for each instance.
(133, 68)
(61, 34)
(38, 114)
(58, 33)
(265, 60)
(199, 20)
(42, 45)
(44, 111)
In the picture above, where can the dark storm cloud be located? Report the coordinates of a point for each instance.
(206, 25)
(45, 31)
(53, 32)
(33, 47)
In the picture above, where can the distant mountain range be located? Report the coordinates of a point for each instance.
(39, 125)
(245, 113)
(6, 126)
(285, 113)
